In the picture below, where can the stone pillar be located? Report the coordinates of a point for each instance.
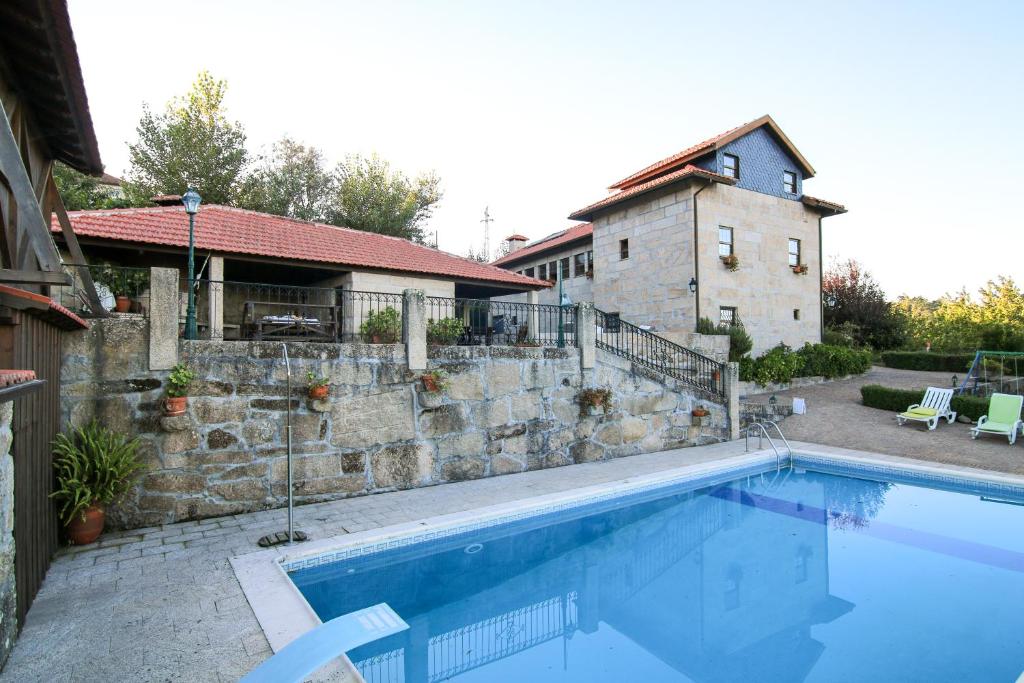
(586, 334)
(414, 328)
(163, 318)
(732, 393)
(8, 601)
(533, 318)
(216, 303)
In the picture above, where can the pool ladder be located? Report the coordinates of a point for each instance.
(761, 429)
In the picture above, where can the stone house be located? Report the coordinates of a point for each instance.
(721, 230)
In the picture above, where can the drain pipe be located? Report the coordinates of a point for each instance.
(288, 443)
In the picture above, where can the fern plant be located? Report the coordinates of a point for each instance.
(95, 465)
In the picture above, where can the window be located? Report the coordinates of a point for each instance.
(528, 272)
(724, 241)
(794, 252)
(623, 250)
(564, 263)
(553, 271)
(590, 263)
(579, 265)
(789, 182)
(542, 271)
(731, 165)
(796, 314)
(727, 315)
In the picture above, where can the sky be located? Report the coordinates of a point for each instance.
(909, 111)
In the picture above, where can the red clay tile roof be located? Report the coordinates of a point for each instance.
(229, 230)
(700, 149)
(517, 237)
(54, 311)
(688, 171)
(553, 241)
(8, 378)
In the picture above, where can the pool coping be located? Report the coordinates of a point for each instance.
(284, 614)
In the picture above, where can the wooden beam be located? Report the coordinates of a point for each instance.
(34, 277)
(77, 257)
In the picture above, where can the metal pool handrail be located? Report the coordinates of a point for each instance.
(314, 649)
(762, 430)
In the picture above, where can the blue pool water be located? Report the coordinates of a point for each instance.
(804, 576)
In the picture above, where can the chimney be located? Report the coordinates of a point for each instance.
(516, 242)
(166, 199)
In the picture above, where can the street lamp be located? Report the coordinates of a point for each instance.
(191, 201)
(693, 285)
(563, 301)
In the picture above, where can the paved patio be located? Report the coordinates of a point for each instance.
(163, 604)
(835, 417)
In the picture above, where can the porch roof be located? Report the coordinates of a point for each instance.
(227, 230)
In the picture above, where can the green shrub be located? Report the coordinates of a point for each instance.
(841, 335)
(833, 361)
(897, 400)
(781, 364)
(886, 398)
(384, 325)
(970, 406)
(94, 465)
(925, 360)
(444, 332)
(740, 342)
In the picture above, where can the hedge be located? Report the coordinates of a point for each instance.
(781, 364)
(897, 400)
(925, 360)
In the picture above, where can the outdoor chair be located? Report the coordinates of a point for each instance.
(932, 408)
(1003, 417)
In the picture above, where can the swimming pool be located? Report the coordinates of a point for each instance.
(827, 574)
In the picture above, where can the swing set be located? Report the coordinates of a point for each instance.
(994, 372)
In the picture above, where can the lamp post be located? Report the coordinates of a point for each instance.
(563, 301)
(191, 201)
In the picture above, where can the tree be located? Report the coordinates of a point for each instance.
(474, 255)
(854, 300)
(372, 197)
(79, 191)
(291, 182)
(958, 323)
(191, 143)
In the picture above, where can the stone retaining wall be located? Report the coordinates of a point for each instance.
(8, 599)
(507, 410)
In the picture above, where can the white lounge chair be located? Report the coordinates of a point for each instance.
(1003, 417)
(932, 408)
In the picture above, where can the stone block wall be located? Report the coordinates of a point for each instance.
(507, 410)
(8, 599)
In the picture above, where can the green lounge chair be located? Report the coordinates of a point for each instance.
(1003, 417)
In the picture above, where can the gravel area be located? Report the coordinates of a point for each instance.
(835, 417)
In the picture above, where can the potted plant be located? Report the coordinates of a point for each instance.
(800, 269)
(95, 466)
(593, 400)
(700, 411)
(113, 278)
(381, 327)
(318, 386)
(590, 273)
(177, 389)
(444, 332)
(435, 381)
(732, 262)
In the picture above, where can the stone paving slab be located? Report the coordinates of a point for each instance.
(163, 604)
(836, 417)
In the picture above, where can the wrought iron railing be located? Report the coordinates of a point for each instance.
(260, 311)
(499, 323)
(650, 350)
(123, 289)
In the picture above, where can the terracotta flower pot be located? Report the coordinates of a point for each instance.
(175, 405)
(319, 393)
(83, 531)
(122, 304)
(700, 412)
(429, 383)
